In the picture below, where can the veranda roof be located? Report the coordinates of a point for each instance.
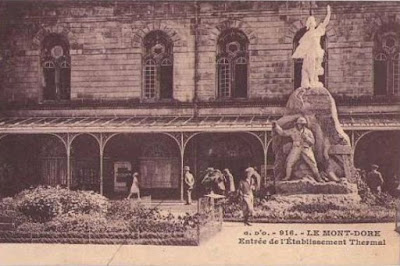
(144, 124)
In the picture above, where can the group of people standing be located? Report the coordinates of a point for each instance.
(220, 182)
(214, 181)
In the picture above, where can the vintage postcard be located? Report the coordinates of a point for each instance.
(196, 132)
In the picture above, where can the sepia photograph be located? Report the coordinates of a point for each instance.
(196, 132)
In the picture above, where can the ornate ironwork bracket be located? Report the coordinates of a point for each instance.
(182, 138)
(263, 137)
(357, 135)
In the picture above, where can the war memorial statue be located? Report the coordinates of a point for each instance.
(311, 52)
(303, 141)
(312, 152)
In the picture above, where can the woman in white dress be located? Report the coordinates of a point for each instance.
(135, 186)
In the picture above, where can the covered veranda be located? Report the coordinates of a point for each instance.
(81, 152)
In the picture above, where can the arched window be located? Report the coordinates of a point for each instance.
(386, 64)
(232, 64)
(56, 65)
(158, 66)
(298, 63)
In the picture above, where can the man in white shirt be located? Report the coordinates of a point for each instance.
(189, 183)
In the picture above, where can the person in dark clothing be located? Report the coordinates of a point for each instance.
(375, 180)
(229, 181)
(219, 182)
(208, 181)
(129, 179)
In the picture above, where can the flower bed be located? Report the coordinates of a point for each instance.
(364, 207)
(42, 204)
(55, 215)
(96, 238)
(281, 210)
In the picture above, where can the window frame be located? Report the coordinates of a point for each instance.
(392, 56)
(151, 52)
(147, 89)
(224, 53)
(50, 60)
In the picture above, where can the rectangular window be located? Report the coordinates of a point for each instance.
(150, 82)
(166, 82)
(224, 80)
(396, 78)
(65, 83)
(240, 81)
(49, 92)
(380, 77)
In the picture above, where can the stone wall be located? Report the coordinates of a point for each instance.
(106, 45)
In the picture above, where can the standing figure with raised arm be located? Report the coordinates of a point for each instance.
(303, 141)
(311, 52)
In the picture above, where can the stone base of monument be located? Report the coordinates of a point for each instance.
(305, 186)
(344, 200)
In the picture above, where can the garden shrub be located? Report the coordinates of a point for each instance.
(280, 209)
(8, 209)
(365, 193)
(40, 208)
(387, 200)
(31, 227)
(141, 219)
(232, 207)
(42, 204)
(383, 199)
(154, 220)
(77, 223)
(124, 210)
(80, 202)
(7, 204)
(156, 226)
(191, 221)
(117, 226)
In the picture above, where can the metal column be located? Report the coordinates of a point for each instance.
(68, 146)
(182, 151)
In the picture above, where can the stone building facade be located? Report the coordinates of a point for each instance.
(93, 87)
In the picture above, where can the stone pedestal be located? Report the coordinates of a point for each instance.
(306, 186)
(344, 200)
